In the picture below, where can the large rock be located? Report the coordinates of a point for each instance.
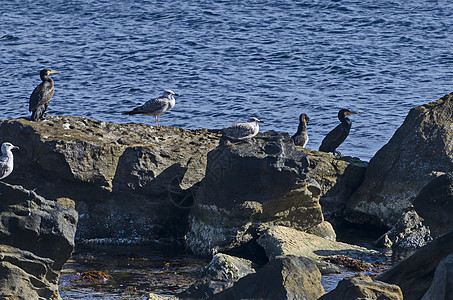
(442, 285)
(415, 274)
(130, 182)
(363, 287)
(285, 277)
(36, 239)
(249, 186)
(421, 147)
(435, 204)
(280, 240)
(338, 179)
(220, 274)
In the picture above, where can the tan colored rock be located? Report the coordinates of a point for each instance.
(280, 240)
(363, 287)
(324, 230)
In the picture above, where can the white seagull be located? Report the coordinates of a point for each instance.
(7, 160)
(156, 107)
(242, 131)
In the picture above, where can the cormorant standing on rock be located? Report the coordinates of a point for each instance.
(7, 160)
(156, 107)
(338, 134)
(40, 98)
(242, 131)
(301, 136)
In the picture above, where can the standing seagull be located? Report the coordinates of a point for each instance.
(334, 138)
(301, 136)
(242, 131)
(156, 107)
(7, 160)
(40, 98)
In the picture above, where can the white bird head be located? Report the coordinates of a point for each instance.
(253, 119)
(6, 147)
(169, 92)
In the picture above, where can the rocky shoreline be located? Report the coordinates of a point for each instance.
(136, 184)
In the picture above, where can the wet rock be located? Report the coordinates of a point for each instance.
(220, 274)
(442, 285)
(338, 179)
(280, 240)
(408, 234)
(250, 186)
(415, 274)
(435, 204)
(285, 277)
(130, 182)
(399, 170)
(363, 287)
(36, 239)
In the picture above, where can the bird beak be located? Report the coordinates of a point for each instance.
(54, 71)
(176, 95)
(15, 147)
(261, 121)
(352, 113)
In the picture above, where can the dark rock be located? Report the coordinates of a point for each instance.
(220, 274)
(285, 277)
(442, 285)
(130, 182)
(435, 204)
(415, 274)
(338, 179)
(399, 170)
(249, 188)
(408, 234)
(36, 239)
(363, 287)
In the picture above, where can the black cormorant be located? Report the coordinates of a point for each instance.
(334, 138)
(40, 98)
(301, 136)
(156, 107)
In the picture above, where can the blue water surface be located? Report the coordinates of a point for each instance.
(232, 59)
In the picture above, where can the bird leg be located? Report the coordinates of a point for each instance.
(336, 153)
(157, 120)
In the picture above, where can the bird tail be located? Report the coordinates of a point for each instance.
(37, 113)
(215, 130)
(132, 112)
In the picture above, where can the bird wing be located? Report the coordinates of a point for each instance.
(154, 106)
(238, 130)
(4, 169)
(41, 95)
(334, 138)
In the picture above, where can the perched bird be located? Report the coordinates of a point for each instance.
(301, 136)
(242, 131)
(40, 98)
(334, 138)
(156, 107)
(7, 160)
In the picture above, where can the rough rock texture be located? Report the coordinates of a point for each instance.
(324, 230)
(129, 181)
(220, 274)
(409, 233)
(338, 179)
(435, 204)
(36, 239)
(363, 287)
(249, 186)
(285, 277)
(280, 240)
(414, 275)
(442, 285)
(422, 146)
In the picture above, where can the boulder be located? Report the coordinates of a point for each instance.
(338, 178)
(363, 287)
(415, 274)
(285, 277)
(408, 234)
(324, 230)
(249, 186)
(36, 239)
(130, 182)
(421, 147)
(435, 204)
(280, 240)
(442, 284)
(220, 274)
